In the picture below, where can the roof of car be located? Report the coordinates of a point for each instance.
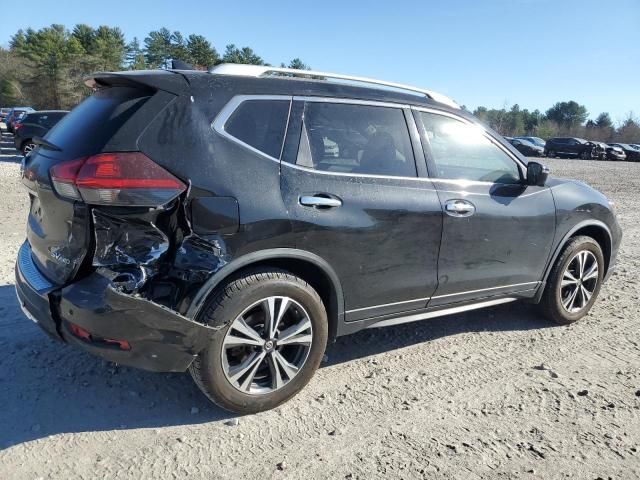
(48, 111)
(264, 71)
(298, 86)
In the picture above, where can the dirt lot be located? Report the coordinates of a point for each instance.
(463, 397)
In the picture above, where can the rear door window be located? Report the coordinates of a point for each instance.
(358, 139)
(261, 124)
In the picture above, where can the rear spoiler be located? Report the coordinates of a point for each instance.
(170, 81)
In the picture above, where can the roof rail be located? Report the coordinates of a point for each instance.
(266, 71)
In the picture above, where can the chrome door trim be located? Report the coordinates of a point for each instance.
(389, 304)
(440, 313)
(532, 284)
(354, 175)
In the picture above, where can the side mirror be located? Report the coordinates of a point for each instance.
(537, 174)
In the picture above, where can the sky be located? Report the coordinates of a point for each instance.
(478, 52)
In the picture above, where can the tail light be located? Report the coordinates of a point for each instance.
(124, 178)
(16, 126)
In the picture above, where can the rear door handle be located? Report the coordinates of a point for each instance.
(459, 208)
(320, 201)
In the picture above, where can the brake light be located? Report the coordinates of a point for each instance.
(16, 126)
(124, 178)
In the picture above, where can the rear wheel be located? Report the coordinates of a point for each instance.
(574, 282)
(273, 333)
(551, 154)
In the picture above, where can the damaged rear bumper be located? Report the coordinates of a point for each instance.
(156, 337)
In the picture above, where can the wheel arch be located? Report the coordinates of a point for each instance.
(23, 142)
(306, 265)
(591, 228)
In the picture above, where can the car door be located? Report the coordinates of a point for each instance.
(572, 147)
(358, 200)
(497, 231)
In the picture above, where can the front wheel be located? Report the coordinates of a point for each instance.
(273, 333)
(574, 282)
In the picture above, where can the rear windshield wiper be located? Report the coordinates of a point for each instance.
(46, 144)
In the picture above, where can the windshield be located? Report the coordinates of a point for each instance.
(534, 140)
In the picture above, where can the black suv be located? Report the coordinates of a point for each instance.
(632, 153)
(33, 126)
(570, 147)
(232, 223)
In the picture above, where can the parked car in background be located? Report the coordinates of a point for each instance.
(4, 111)
(615, 153)
(13, 115)
(601, 150)
(34, 124)
(571, 147)
(154, 250)
(526, 148)
(535, 140)
(632, 153)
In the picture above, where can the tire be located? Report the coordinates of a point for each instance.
(244, 301)
(556, 296)
(551, 154)
(585, 155)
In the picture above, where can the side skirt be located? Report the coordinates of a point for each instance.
(440, 313)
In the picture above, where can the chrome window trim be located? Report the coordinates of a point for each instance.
(440, 313)
(491, 138)
(354, 175)
(225, 113)
(232, 105)
(445, 296)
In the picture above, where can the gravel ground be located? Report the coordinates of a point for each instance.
(496, 393)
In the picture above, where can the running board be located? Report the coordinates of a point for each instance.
(440, 313)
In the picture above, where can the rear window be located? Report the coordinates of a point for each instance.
(260, 124)
(90, 125)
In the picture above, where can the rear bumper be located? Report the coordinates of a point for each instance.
(159, 339)
(32, 290)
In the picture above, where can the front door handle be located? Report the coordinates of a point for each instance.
(320, 201)
(459, 208)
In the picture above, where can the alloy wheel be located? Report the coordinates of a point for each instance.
(28, 148)
(267, 345)
(579, 281)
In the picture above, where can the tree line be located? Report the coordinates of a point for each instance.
(44, 68)
(562, 119)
